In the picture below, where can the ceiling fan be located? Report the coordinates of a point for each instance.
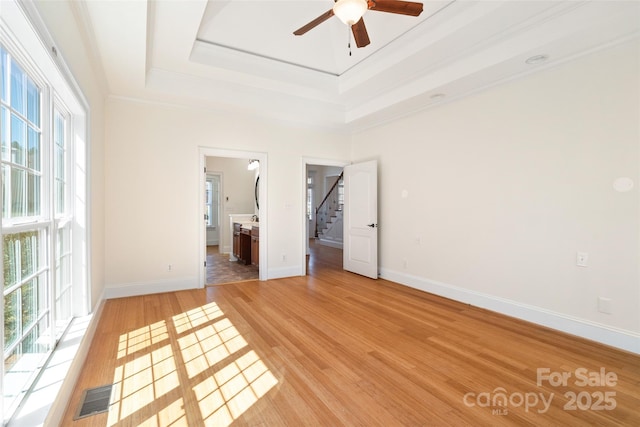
(350, 12)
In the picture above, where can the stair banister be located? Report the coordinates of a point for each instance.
(335, 184)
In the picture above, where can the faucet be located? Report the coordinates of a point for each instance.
(254, 218)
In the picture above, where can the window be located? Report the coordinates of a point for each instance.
(310, 207)
(25, 235)
(62, 222)
(43, 210)
(212, 200)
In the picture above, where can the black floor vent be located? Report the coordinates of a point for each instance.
(94, 401)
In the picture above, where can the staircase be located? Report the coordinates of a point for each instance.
(329, 229)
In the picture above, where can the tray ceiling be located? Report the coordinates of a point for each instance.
(241, 55)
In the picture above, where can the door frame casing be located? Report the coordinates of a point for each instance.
(306, 161)
(203, 153)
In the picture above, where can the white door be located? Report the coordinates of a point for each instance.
(360, 254)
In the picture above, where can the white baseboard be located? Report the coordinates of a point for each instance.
(615, 337)
(145, 288)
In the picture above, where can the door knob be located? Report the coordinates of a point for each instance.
(372, 225)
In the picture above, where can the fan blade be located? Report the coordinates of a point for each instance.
(396, 6)
(360, 33)
(319, 20)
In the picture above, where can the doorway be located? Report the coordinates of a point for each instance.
(240, 196)
(322, 228)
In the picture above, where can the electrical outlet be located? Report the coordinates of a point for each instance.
(169, 267)
(284, 258)
(605, 305)
(582, 259)
(405, 263)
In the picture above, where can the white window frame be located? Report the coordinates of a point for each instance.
(24, 35)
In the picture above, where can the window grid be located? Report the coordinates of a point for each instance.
(209, 202)
(36, 299)
(310, 207)
(59, 163)
(20, 132)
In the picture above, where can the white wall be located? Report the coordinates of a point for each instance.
(237, 192)
(152, 196)
(504, 188)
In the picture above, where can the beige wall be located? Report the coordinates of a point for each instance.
(504, 188)
(152, 197)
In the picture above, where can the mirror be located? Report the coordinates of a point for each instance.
(257, 192)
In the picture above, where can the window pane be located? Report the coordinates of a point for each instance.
(34, 301)
(43, 294)
(29, 252)
(18, 140)
(208, 190)
(33, 195)
(33, 346)
(34, 149)
(4, 87)
(215, 202)
(29, 304)
(18, 89)
(33, 103)
(5, 134)
(63, 276)
(11, 305)
(18, 186)
(6, 191)
(58, 132)
(59, 197)
(10, 261)
(59, 164)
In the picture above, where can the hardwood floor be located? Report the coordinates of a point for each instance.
(333, 349)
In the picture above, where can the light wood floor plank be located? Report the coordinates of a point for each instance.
(334, 349)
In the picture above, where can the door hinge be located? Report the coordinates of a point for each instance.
(205, 169)
(205, 263)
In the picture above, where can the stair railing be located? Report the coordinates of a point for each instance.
(322, 216)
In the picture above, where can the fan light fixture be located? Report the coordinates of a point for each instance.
(350, 11)
(253, 164)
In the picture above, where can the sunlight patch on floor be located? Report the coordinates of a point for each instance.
(173, 415)
(142, 338)
(233, 389)
(209, 345)
(193, 318)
